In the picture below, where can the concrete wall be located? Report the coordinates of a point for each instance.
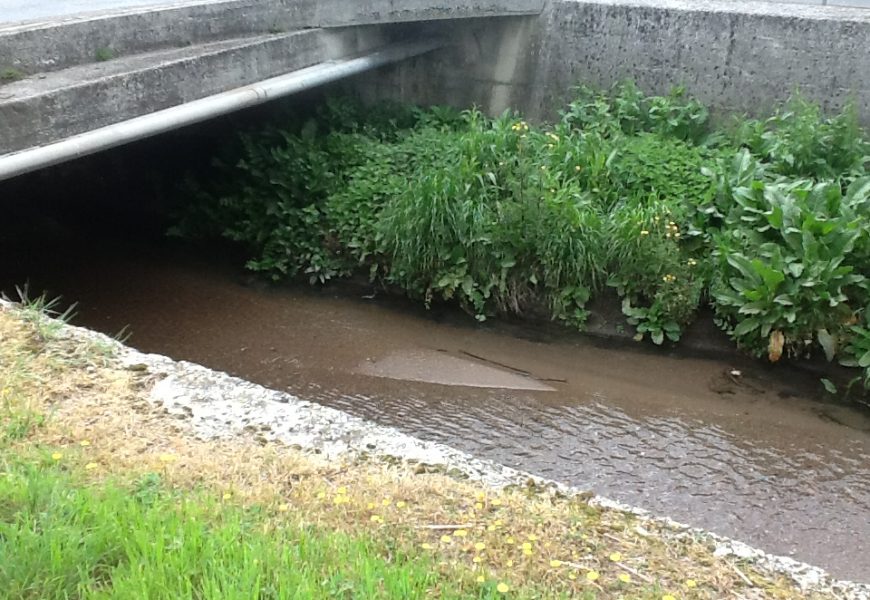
(734, 56)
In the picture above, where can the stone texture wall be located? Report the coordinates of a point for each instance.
(735, 56)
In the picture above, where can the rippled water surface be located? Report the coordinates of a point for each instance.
(749, 456)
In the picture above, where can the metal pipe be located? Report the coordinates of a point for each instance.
(117, 134)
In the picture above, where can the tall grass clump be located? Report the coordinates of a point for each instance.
(498, 224)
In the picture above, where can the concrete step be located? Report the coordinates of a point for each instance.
(60, 42)
(52, 106)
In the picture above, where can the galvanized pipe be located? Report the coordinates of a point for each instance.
(18, 163)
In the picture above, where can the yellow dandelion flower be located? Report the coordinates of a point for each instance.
(479, 546)
(84, 443)
(56, 456)
(572, 576)
(490, 527)
(91, 466)
(616, 556)
(341, 490)
(227, 495)
(480, 496)
(496, 502)
(476, 560)
(668, 597)
(527, 552)
(624, 577)
(478, 506)
(481, 579)
(510, 540)
(498, 522)
(321, 495)
(400, 504)
(526, 546)
(376, 519)
(592, 576)
(509, 563)
(460, 533)
(532, 537)
(446, 539)
(283, 507)
(386, 502)
(555, 563)
(691, 583)
(370, 506)
(503, 588)
(426, 546)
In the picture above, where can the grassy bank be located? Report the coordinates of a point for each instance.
(104, 495)
(764, 221)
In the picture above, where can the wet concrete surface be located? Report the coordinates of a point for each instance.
(754, 456)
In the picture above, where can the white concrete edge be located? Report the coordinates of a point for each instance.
(219, 406)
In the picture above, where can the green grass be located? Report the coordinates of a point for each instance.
(10, 74)
(104, 54)
(62, 538)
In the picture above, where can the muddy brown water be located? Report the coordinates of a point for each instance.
(754, 457)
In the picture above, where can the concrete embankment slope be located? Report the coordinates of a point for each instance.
(734, 56)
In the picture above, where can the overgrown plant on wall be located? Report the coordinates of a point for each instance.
(765, 221)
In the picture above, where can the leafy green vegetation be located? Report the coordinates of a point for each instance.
(766, 222)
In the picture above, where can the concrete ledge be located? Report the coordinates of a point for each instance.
(340, 13)
(60, 43)
(41, 110)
